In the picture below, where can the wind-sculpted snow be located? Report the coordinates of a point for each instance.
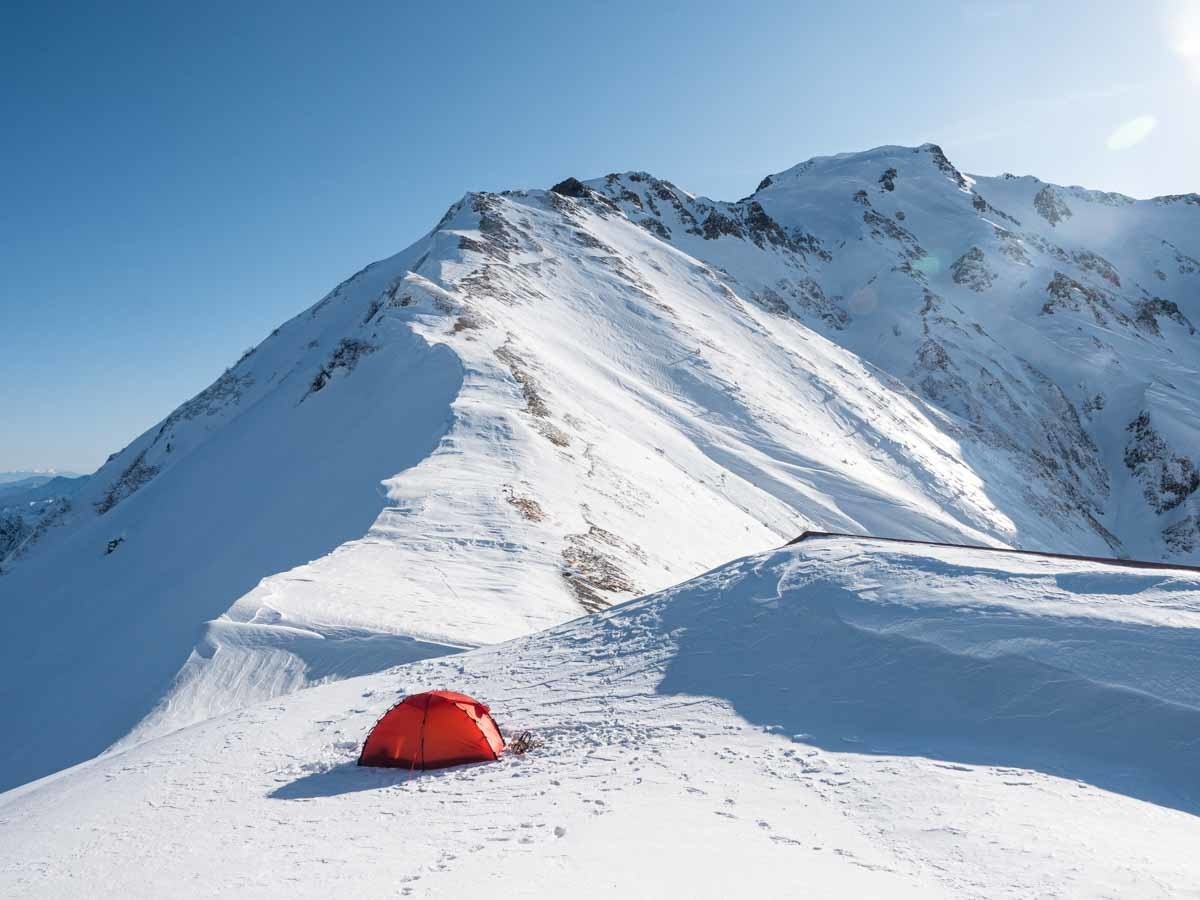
(98, 626)
(560, 399)
(984, 683)
(842, 717)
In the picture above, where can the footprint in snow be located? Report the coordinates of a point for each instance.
(780, 839)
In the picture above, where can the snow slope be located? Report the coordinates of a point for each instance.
(1052, 327)
(559, 399)
(842, 717)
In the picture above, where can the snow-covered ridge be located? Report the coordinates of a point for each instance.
(559, 399)
(948, 281)
(842, 717)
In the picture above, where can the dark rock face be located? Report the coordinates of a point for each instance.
(718, 224)
(500, 235)
(656, 227)
(1185, 199)
(18, 533)
(136, 475)
(1188, 265)
(940, 380)
(13, 530)
(748, 220)
(804, 243)
(1105, 198)
(630, 197)
(1167, 478)
(943, 164)
(1065, 293)
(888, 180)
(985, 208)
(1149, 310)
(592, 570)
(1050, 206)
(790, 298)
(1045, 246)
(347, 355)
(1183, 536)
(971, 270)
(882, 228)
(226, 390)
(571, 187)
(1012, 247)
(1094, 262)
(648, 201)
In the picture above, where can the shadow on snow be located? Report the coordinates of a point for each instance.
(823, 663)
(351, 778)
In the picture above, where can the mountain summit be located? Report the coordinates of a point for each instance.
(562, 398)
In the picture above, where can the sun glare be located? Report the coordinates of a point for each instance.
(1183, 33)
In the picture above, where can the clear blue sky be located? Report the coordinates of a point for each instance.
(180, 178)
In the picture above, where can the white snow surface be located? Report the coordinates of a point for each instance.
(839, 718)
(551, 403)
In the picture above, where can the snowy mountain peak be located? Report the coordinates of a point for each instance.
(558, 399)
(927, 159)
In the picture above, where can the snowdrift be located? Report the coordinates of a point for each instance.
(96, 631)
(838, 717)
(557, 400)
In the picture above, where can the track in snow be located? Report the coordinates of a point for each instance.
(845, 716)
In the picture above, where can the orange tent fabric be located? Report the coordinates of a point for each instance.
(431, 730)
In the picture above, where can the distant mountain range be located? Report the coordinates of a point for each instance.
(7, 478)
(38, 488)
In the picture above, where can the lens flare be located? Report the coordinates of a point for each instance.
(1131, 133)
(929, 264)
(1183, 34)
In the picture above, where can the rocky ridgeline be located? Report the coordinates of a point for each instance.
(894, 254)
(1055, 430)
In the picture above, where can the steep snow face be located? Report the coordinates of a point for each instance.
(560, 399)
(1052, 327)
(840, 718)
(259, 474)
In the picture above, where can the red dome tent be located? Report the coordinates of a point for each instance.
(431, 730)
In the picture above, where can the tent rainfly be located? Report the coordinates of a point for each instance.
(432, 730)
